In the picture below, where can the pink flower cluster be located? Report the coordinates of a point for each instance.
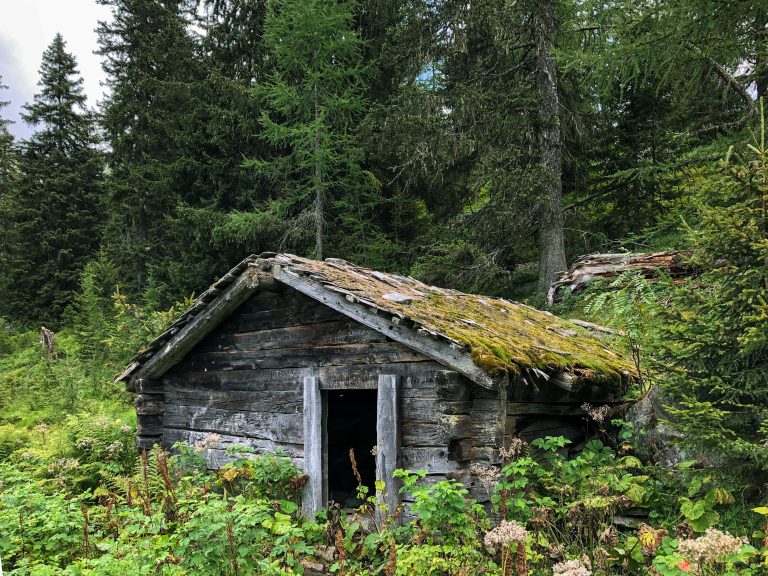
(572, 568)
(712, 547)
(506, 532)
(515, 449)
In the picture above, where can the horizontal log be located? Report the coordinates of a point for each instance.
(452, 386)
(416, 376)
(221, 441)
(337, 355)
(415, 433)
(149, 404)
(287, 428)
(272, 401)
(283, 317)
(200, 325)
(460, 450)
(573, 432)
(149, 425)
(279, 297)
(306, 335)
(433, 460)
(419, 409)
(146, 442)
(544, 409)
(673, 263)
(519, 392)
(486, 454)
(146, 386)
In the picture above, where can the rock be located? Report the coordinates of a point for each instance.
(326, 553)
(397, 297)
(659, 441)
(312, 568)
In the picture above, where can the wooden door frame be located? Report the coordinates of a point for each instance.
(315, 496)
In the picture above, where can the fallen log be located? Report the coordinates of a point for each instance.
(672, 263)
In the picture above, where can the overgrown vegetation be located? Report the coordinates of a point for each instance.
(410, 136)
(103, 510)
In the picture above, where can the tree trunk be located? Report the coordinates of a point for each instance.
(551, 217)
(761, 52)
(318, 185)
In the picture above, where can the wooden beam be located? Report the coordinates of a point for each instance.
(314, 498)
(387, 443)
(457, 359)
(205, 321)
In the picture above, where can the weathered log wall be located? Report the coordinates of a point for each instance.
(243, 384)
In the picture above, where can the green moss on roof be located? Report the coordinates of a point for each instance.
(502, 336)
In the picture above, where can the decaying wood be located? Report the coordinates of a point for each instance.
(606, 266)
(205, 321)
(388, 442)
(459, 360)
(315, 496)
(258, 377)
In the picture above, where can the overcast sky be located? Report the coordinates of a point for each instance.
(27, 27)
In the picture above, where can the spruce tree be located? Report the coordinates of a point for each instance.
(149, 58)
(9, 179)
(57, 208)
(8, 157)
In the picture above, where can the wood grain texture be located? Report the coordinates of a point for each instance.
(205, 321)
(285, 428)
(315, 496)
(457, 359)
(387, 442)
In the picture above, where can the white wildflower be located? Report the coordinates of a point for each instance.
(572, 568)
(507, 532)
(712, 547)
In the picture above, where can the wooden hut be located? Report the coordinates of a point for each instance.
(317, 357)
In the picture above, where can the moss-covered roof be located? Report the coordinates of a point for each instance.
(500, 337)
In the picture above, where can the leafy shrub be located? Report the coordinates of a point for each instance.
(12, 438)
(445, 513)
(269, 475)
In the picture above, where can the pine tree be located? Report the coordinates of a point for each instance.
(149, 58)
(8, 156)
(57, 208)
(312, 98)
(9, 179)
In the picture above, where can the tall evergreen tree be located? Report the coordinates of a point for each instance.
(57, 208)
(312, 98)
(551, 217)
(149, 57)
(8, 157)
(486, 159)
(9, 179)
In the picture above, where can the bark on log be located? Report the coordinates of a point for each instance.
(606, 266)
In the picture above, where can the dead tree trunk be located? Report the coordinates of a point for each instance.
(673, 263)
(551, 218)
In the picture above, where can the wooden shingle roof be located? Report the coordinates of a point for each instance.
(489, 340)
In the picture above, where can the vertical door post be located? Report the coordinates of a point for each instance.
(388, 440)
(312, 499)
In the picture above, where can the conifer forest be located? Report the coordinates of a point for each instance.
(603, 161)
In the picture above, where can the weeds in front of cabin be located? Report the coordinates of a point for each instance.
(597, 512)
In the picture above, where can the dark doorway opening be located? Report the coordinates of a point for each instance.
(351, 424)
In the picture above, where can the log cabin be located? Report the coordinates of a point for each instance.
(314, 358)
